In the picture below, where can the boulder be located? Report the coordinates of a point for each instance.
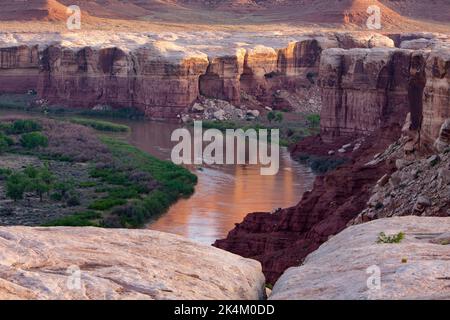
(94, 263)
(347, 266)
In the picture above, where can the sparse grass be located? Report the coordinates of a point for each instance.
(396, 238)
(81, 219)
(101, 125)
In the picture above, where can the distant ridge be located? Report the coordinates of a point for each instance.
(396, 14)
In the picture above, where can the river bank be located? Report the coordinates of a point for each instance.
(66, 174)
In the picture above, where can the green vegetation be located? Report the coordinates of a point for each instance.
(320, 165)
(132, 172)
(101, 125)
(396, 238)
(30, 179)
(106, 203)
(81, 219)
(5, 142)
(23, 126)
(314, 120)
(16, 185)
(118, 186)
(33, 140)
(276, 116)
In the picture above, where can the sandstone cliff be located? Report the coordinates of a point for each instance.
(94, 263)
(365, 92)
(164, 74)
(416, 268)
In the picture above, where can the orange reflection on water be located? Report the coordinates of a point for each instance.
(225, 194)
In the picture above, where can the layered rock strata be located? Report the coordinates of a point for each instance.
(164, 74)
(364, 93)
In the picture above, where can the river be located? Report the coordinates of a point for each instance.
(225, 194)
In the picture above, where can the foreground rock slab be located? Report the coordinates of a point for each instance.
(94, 263)
(416, 268)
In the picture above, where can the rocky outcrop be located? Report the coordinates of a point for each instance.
(352, 265)
(164, 74)
(362, 90)
(436, 97)
(283, 239)
(94, 263)
(365, 92)
(110, 76)
(19, 68)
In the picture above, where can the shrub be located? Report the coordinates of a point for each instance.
(320, 165)
(278, 117)
(24, 126)
(313, 120)
(81, 219)
(396, 238)
(271, 116)
(33, 140)
(16, 185)
(73, 200)
(5, 142)
(106, 203)
(131, 215)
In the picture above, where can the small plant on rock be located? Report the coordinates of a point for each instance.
(396, 238)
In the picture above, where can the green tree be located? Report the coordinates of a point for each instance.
(40, 180)
(271, 116)
(16, 185)
(33, 140)
(278, 117)
(24, 126)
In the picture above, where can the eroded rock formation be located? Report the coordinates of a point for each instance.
(162, 74)
(364, 93)
(95, 263)
(19, 68)
(416, 268)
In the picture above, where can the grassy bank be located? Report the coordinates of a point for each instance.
(101, 125)
(82, 178)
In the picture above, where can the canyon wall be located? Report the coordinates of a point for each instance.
(19, 68)
(367, 94)
(365, 89)
(164, 77)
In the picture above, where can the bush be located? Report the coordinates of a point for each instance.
(106, 203)
(5, 142)
(16, 185)
(320, 165)
(313, 120)
(73, 200)
(33, 140)
(396, 238)
(81, 219)
(24, 126)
